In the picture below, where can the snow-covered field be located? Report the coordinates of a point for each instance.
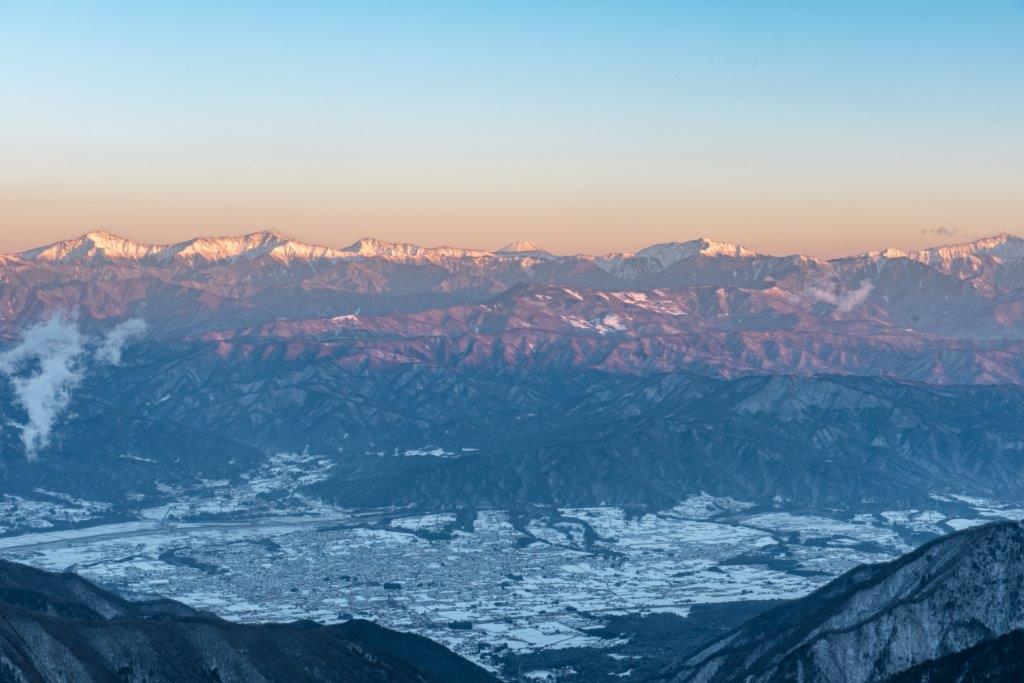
(510, 589)
(481, 582)
(496, 581)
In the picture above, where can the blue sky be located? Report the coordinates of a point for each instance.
(815, 126)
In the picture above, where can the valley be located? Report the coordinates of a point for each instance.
(496, 586)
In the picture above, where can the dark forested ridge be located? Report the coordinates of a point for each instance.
(61, 627)
(877, 621)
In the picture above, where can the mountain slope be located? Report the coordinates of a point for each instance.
(879, 620)
(717, 331)
(60, 627)
(449, 437)
(990, 661)
(70, 596)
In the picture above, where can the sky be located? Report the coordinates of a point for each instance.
(801, 126)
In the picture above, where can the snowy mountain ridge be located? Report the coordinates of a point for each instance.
(102, 246)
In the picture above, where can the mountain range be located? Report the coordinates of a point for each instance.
(967, 294)
(447, 378)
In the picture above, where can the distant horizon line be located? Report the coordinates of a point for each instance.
(523, 247)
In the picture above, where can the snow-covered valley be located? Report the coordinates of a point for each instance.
(486, 583)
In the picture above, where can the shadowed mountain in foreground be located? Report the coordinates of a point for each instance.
(999, 660)
(877, 621)
(61, 627)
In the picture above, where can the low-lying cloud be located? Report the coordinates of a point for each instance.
(50, 362)
(844, 300)
(44, 368)
(110, 348)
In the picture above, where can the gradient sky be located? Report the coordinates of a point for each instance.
(822, 127)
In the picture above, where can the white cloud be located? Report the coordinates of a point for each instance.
(51, 355)
(113, 343)
(845, 301)
(48, 364)
(851, 300)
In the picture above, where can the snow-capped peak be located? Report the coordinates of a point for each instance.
(658, 257)
(1003, 246)
(250, 246)
(95, 245)
(519, 246)
(371, 247)
(672, 252)
(888, 253)
(100, 245)
(713, 248)
(669, 253)
(253, 246)
(525, 250)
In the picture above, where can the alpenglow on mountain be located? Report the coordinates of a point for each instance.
(537, 379)
(953, 309)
